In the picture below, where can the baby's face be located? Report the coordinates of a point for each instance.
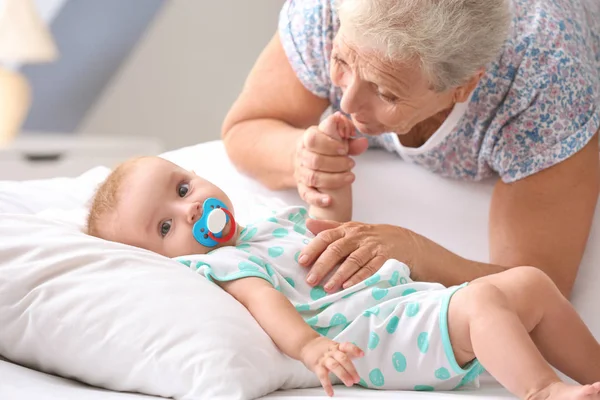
(159, 204)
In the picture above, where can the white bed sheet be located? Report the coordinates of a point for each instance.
(386, 191)
(19, 383)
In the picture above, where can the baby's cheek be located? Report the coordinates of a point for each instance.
(195, 247)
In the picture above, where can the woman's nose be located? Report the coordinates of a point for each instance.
(193, 212)
(351, 99)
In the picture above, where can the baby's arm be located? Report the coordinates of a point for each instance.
(275, 314)
(294, 337)
(338, 127)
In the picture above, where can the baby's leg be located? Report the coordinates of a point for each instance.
(339, 128)
(517, 322)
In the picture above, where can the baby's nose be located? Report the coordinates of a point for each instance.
(193, 212)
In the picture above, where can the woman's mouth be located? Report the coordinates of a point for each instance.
(360, 120)
(370, 129)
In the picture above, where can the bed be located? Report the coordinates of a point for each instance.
(452, 213)
(18, 383)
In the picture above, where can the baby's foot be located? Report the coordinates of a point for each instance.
(562, 391)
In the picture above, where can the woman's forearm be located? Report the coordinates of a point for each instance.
(264, 149)
(434, 263)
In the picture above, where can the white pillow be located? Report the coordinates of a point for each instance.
(123, 318)
(127, 319)
(31, 197)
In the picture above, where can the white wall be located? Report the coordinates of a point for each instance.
(186, 72)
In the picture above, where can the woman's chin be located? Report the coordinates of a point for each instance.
(376, 130)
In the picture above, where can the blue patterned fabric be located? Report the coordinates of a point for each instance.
(537, 104)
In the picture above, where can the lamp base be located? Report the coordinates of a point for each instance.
(15, 99)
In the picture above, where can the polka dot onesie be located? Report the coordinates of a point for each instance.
(401, 325)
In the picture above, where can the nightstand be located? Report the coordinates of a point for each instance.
(42, 156)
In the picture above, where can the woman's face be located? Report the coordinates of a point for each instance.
(381, 96)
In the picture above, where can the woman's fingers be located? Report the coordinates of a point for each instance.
(333, 254)
(321, 162)
(355, 246)
(318, 142)
(324, 163)
(319, 166)
(355, 261)
(323, 180)
(311, 252)
(313, 196)
(357, 146)
(359, 249)
(369, 269)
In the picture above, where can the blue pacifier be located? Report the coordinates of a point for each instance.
(208, 230)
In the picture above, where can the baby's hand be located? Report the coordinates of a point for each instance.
(322, 356)
(337, 126)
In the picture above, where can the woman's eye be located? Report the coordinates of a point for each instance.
(183, 189)
(338, 60)
(388, 98)
(165, 227)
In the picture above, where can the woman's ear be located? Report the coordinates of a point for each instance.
(462, 93)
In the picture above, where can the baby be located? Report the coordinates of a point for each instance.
(387, 332)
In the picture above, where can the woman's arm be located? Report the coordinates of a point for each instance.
(361, 249)
(543, 221)
(262, 128)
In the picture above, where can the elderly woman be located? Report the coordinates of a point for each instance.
(466, 89)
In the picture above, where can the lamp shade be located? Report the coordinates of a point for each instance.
(24, 38)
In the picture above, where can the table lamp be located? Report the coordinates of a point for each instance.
(24, 38)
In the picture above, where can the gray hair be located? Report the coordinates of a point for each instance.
(452, 39)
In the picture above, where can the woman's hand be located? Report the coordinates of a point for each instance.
(324, 356)
(360, 248)
(323, 163)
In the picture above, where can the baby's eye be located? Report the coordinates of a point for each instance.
(183, 189)
(165, 227)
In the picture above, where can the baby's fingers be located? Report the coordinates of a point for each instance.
(348, 366)
(351, 349)
(339, 370)
(323, 375)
